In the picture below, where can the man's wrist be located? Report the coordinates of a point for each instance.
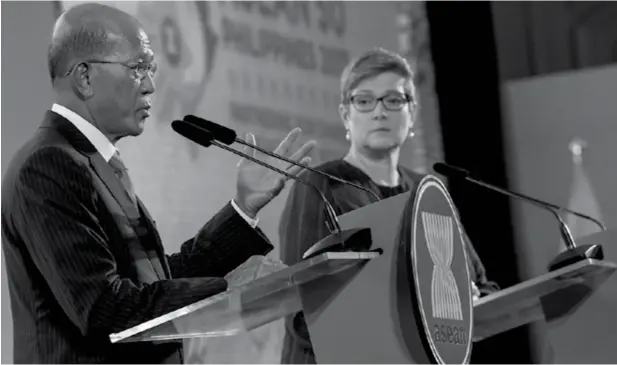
(240, 205)
(250, 218)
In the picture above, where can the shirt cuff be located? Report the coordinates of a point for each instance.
(252, 222)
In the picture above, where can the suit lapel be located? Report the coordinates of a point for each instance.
(117, 190)
(69, 131)
(97, 162)
(108, 176)
(157, 238)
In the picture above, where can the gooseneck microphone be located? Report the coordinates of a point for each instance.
(205, 138)
(338, 240)
(457, 172)
(228, 136)
(573, 253)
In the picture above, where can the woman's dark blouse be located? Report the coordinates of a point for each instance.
(303, 223)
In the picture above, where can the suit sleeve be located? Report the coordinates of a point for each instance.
(302, 224)
(56, 211)
(221, 245)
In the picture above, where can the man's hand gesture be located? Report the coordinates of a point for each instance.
(257, 185)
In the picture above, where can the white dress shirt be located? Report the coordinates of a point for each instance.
(107, 149)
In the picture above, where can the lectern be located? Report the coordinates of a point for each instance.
(406, 300)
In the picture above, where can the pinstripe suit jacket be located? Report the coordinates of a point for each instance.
(67, 228)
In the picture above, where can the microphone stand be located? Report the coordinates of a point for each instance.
(217, 131)
(566, 234)
(573, 252)
(331, 220)
(271, 154)
(356, 239)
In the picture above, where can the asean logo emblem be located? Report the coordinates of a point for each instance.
(438, 231)
(441, 275)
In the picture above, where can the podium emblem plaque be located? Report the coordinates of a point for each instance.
(440, 277)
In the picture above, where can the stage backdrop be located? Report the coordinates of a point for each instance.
(263, 67)
(544, 115)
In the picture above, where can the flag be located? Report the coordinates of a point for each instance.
(582, 197)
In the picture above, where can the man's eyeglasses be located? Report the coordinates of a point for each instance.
(368, 103)
(140, 70)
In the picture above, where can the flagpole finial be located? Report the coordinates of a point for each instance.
(577, 146)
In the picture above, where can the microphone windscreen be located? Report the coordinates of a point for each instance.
(221, 133)
(450, 171)
(200, 136)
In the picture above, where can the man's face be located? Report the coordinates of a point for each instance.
(123, 84)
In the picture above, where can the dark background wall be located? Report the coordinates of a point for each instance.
(536, 38)
(468, 89)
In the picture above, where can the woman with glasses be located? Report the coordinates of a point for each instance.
(377, 108)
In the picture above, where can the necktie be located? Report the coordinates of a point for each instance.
(123, 174)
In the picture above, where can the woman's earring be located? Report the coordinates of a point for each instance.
(411, 134)
(347, 135)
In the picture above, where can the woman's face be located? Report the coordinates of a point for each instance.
(379, 115)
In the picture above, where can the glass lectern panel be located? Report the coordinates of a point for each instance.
(548, 297)
(246, 307)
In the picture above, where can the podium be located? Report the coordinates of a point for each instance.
(589, 334)
(407, 300)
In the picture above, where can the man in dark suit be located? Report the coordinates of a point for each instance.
(83, 256)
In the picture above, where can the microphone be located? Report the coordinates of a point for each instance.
(573, 253)
(457, 172)
(229, 136)
(358, 239)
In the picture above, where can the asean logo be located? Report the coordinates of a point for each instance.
(441, 275)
